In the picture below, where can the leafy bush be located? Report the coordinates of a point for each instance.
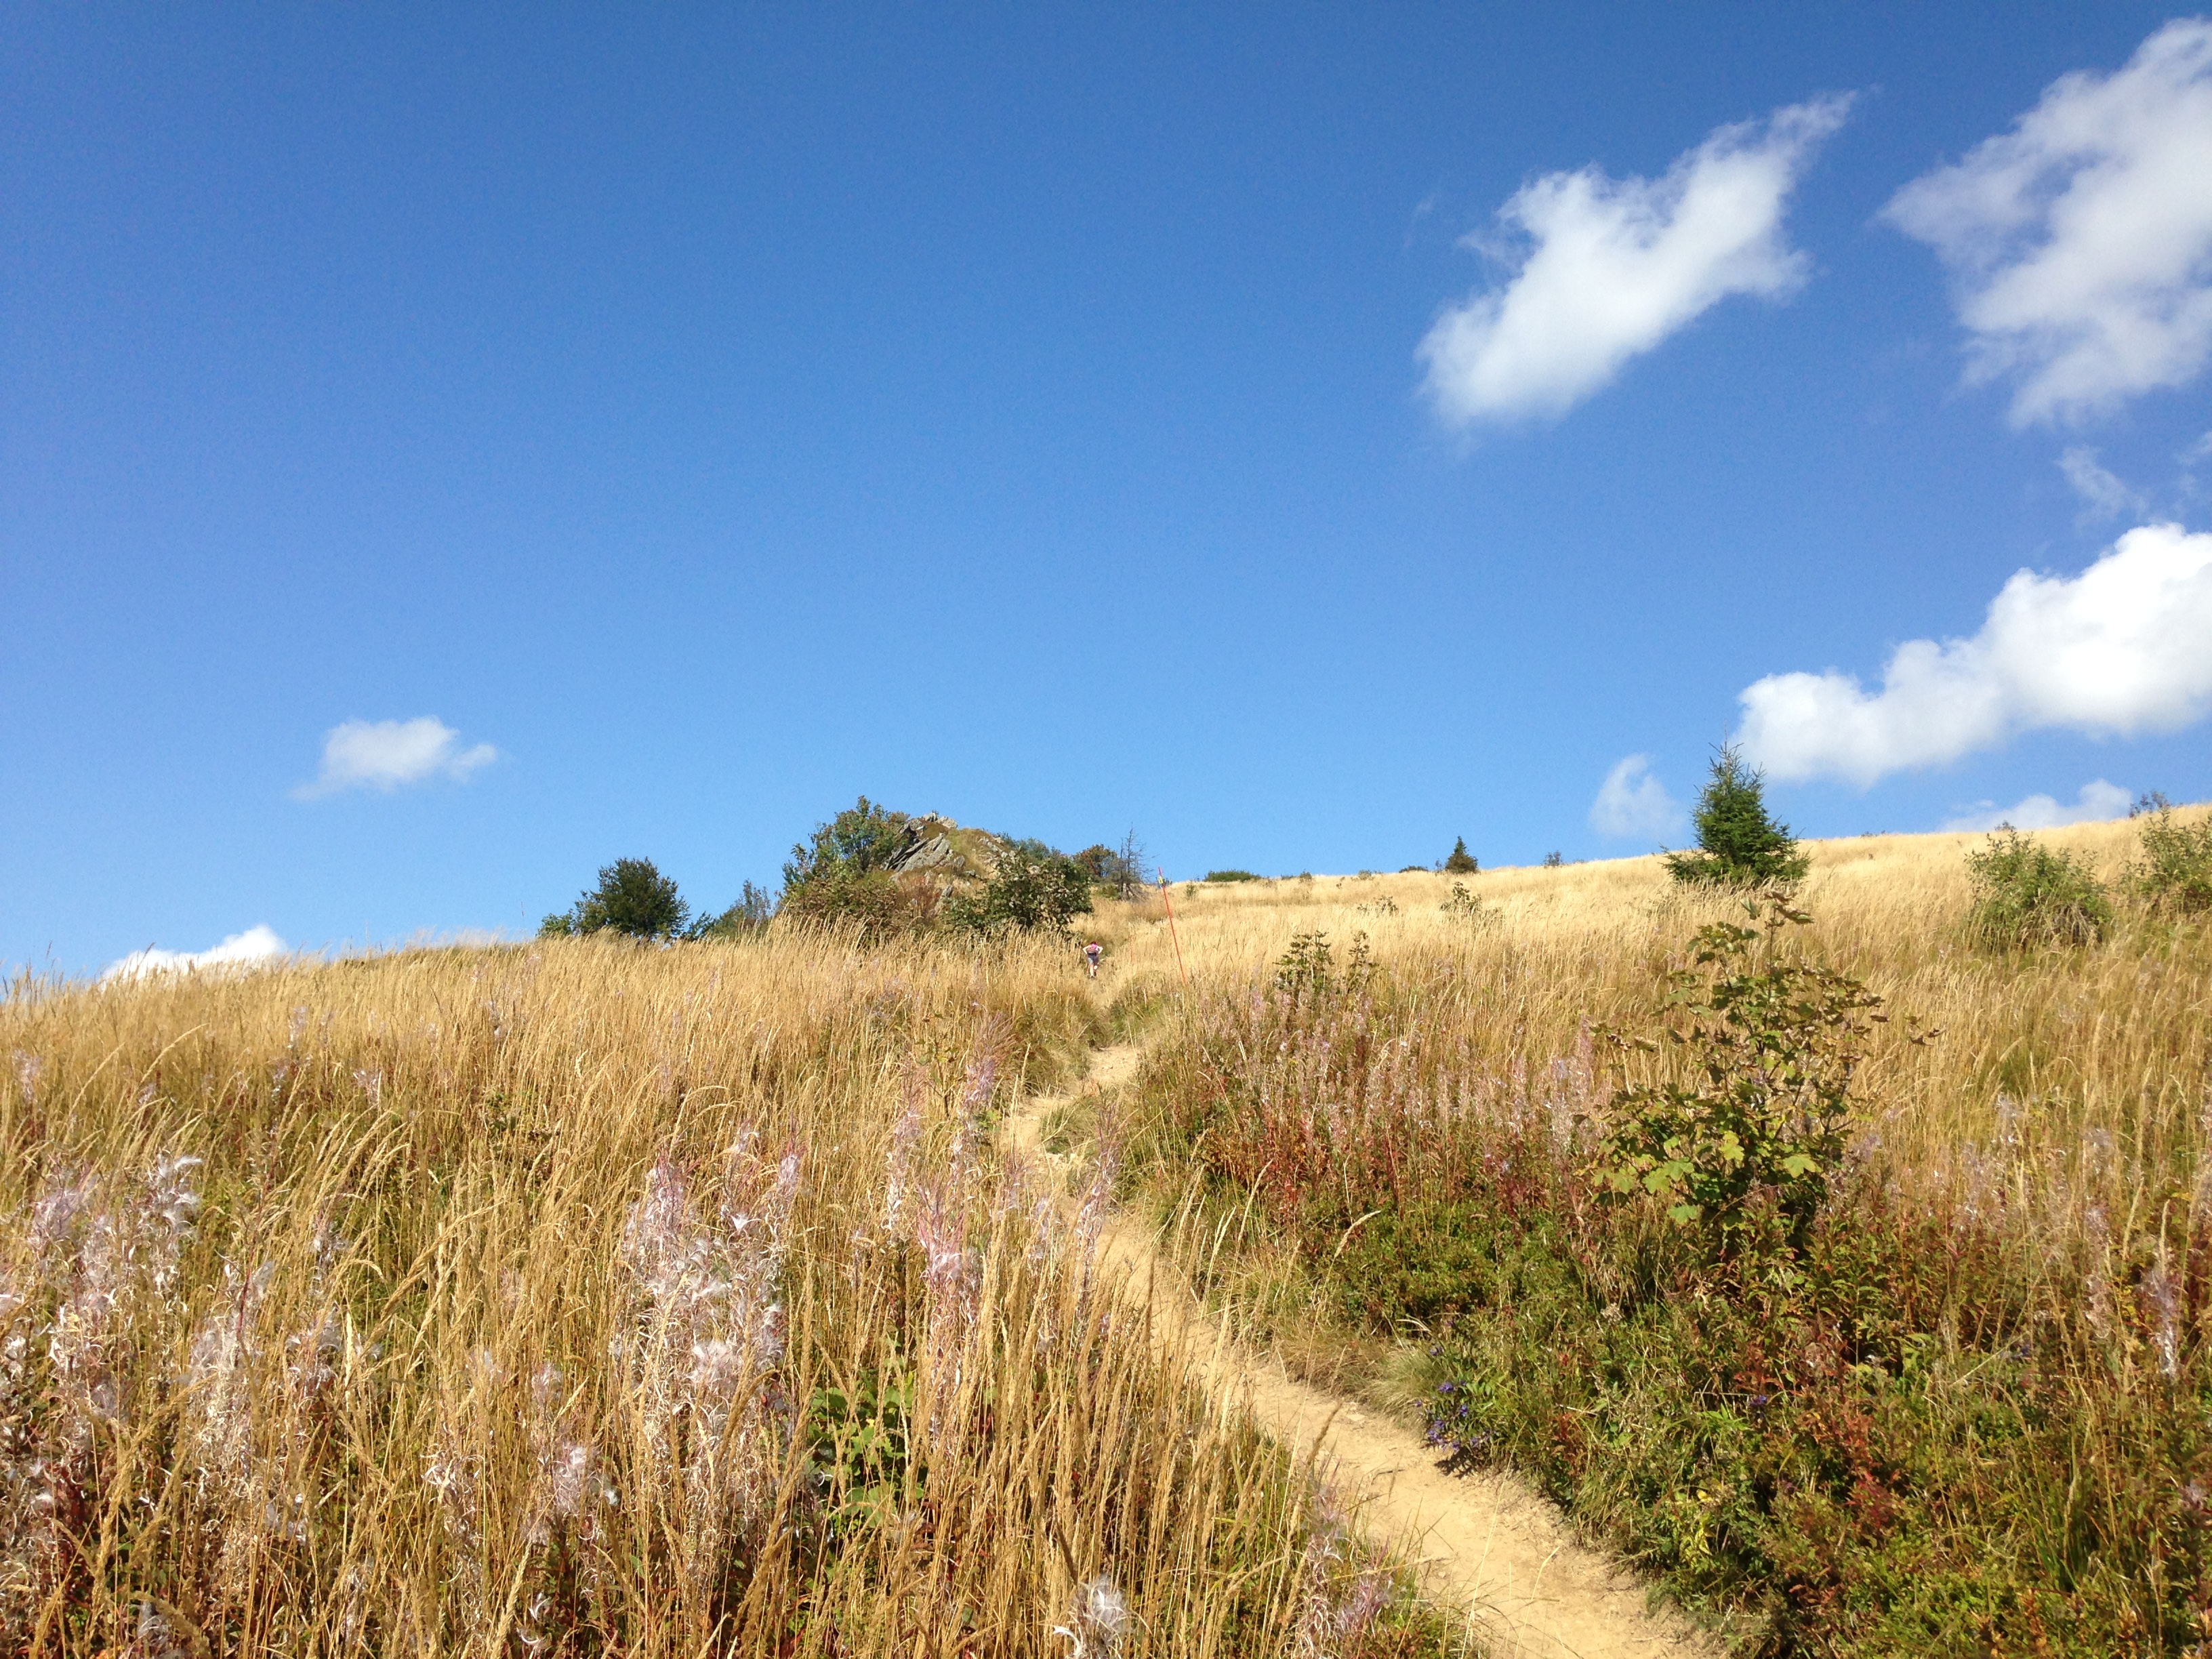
(1464, 906)
(1759, 1128)
(1095, 861)
(1739, 843)
(2027, 893)
(1231, 875)
(862, 838)
(875, 902)
(1033, 889)
(749, 916)
(1307, 970)
(842, 874)
(2175, 872)
(1460, 862)
(862, 1444)
(633, 897)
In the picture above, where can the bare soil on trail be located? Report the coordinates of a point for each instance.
(1485, 1543)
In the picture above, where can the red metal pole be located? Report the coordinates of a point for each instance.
(1172, 934)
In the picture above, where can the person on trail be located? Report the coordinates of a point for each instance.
(1091, 951)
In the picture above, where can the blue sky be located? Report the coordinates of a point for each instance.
(440, 454)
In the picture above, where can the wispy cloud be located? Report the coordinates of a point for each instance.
(2125, 647)
(1632, 803)
(2097, 801)
(1612, 267)
(386, 755)
(2080, 242)
(257, 944)
(2104, 495)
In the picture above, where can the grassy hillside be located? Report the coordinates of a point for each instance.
(1966, 1412)
(585, 1298)
(588, 1299)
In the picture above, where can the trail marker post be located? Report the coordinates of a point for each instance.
(1172, 934)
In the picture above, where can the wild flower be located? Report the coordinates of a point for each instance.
(2097, 1283)
(569, 1488)
(706, 1336)
(1338, 1606)
(529, 1625)
(217, 1442)
(2163, 1295)
(452, 1474)
(977, 1086)
(1097, 1199)
(898, 1162)
(163, 1632)
(1098, 1621)
(310, 1366)
(54, 1213)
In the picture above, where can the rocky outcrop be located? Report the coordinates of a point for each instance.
(936, 846)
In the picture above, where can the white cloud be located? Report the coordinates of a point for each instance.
(385, 754)
(1632, 802)
(2099, 801)
(2104, 495)
(255, 945)
(2080, 241)
(2125, 647)
(1614, 266)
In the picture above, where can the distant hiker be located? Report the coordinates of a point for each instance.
(1091, 951)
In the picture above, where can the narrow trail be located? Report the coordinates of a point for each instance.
(1485, 1543)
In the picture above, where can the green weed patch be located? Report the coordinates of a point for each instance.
(1859, 1408)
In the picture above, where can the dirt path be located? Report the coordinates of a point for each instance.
(1486, 1542)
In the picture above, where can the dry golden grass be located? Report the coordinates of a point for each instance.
(2043, 1047)
(1967, 1412)
(2071, 1086)
(477, 1301)
(534, 1300)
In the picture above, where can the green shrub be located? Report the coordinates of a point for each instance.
(1464, 906)
(1738, 842)
(1231, 875)
(861, 1445)
(841, 875)
(749, 916)
(2175, 874)
(633, 898)
(1309, 969)
(1759, 1128)
(1096, 863)
(1033, 889)
(1460, 862)
(862, 838)
(2027, 893)
(875, 902)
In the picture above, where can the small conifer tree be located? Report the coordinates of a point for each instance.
(1461, 862)
(1738, 842)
